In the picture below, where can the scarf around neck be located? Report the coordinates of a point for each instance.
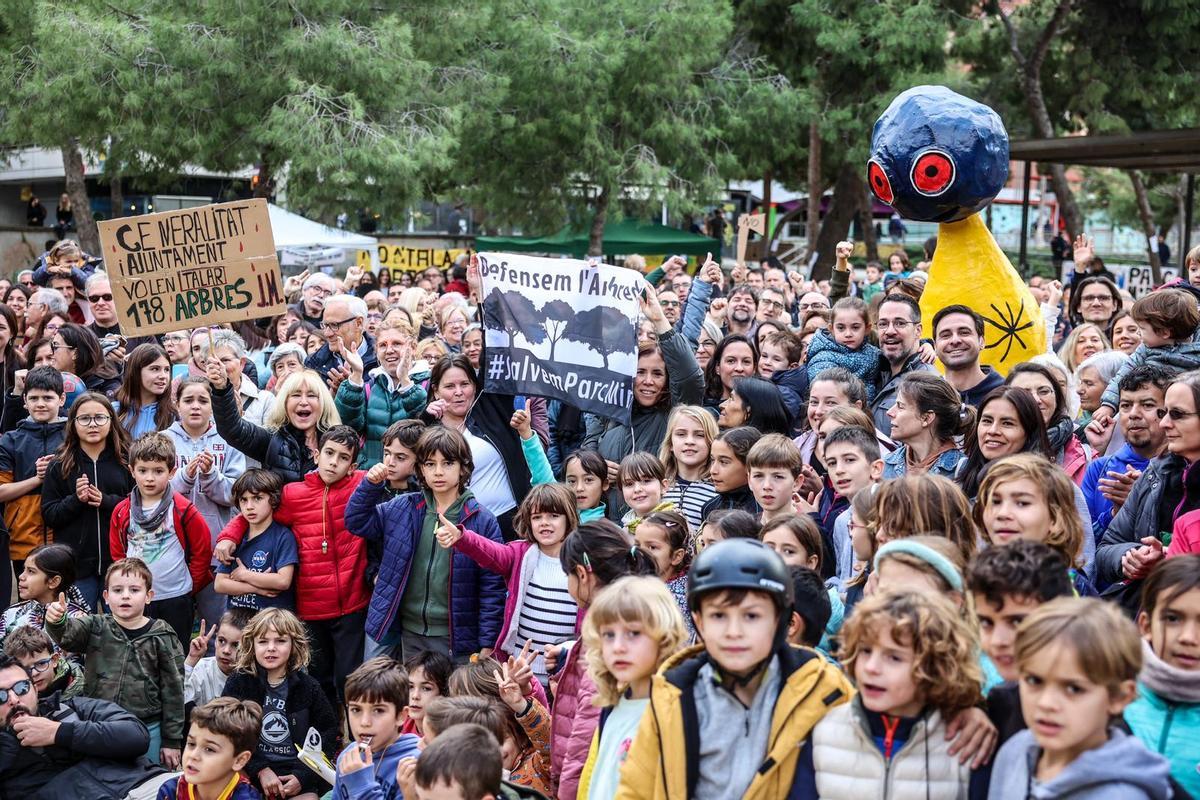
(152, 521)
(1169, 683)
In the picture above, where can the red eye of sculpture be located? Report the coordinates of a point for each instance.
(880, 184)
(932, 173)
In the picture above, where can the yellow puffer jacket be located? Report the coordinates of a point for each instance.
(662, 762)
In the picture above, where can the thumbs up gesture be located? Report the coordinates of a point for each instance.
(56, 612)
(521, 423)
(447, 532)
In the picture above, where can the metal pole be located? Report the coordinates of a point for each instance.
(1187, 222)
(1022, 258)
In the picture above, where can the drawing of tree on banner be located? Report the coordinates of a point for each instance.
(512, 312)
(557, 314)
(524, 317)
(603, 329)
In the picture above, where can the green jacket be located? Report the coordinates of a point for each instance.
(145, 676)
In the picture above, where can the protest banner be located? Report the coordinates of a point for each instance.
(196, 266)
(561, 328)
(399, 258)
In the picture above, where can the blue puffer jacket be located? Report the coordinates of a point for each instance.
(386, 404)
(824, 352)
(476, 595)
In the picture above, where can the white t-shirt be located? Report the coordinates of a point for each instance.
(489, 481)
(615, 741)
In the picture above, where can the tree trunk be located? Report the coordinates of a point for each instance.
(116, 194)
(1031, 78)
(599, 218)
(264, 184)
(1147, 218)
(866, 211)
(85, 225)
(846, 200)
(815, 192)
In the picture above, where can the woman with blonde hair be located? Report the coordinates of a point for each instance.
(419, 304)
(286, 442)
(1081, 344)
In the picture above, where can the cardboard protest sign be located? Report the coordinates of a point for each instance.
(561, 328)
(192, 267)
(745, 224)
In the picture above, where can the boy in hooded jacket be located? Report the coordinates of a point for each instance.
(686, 746)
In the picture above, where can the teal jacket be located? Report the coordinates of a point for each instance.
(372, 413)
(1171, 729)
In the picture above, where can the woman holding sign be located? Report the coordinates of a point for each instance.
(501, 476)
(287, 441)
(667, 376)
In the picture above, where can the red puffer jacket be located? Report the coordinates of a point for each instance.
(333, 562)
(190, 529)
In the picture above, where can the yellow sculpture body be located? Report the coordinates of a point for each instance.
(970, 269)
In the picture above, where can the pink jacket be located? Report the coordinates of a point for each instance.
(574, 723)
(1075, 460)
(507, 560)
(1185, 535)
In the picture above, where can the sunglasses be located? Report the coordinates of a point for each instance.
(20, 689)
(99, 298)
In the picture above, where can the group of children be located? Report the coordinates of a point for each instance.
(826, 615)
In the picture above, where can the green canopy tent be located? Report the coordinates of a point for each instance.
(620, 238)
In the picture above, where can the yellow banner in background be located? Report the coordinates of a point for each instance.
(399, 258)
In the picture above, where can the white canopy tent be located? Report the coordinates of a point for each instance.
(293, 231)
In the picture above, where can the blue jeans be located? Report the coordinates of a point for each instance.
(90, 588)
(155, 742)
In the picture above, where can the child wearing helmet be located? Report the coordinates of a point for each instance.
(731, 712)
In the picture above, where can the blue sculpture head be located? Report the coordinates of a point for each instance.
(937, 156)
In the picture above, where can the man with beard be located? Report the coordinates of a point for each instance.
(1107, 482)
(958, 340)
(69, 749)
(741, 310)
(899, 329)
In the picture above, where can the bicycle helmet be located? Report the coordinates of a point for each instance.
(740, 564)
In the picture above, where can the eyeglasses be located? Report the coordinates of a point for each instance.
(374, 317)
(93, 420)
(669, 303)
(20, 689)
(38, 667)
(1175, 414)
(770, 304)
(54, 348)
(897, 324)
(319, 291)
(817, 304)
(99, 298)
(336, 326)
(1096, 299)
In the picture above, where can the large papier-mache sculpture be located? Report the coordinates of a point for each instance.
(937, 156)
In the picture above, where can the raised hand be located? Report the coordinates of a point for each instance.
(521, 423)
(805, 504)
(214, 370)
(294, 284)
(406, 777)
(716, 309)
(199, 645)
(353, 361)
(474, 280)
(353, 277)
(652, 309)
(520, 669)
(510, 691)
(447, 532)
(56, 612)
(1054, 292)
(1085, 250)
(377, 474)
(710, 272)
(19, 382)
(843, 250)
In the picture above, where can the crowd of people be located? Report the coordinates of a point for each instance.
(831, 555)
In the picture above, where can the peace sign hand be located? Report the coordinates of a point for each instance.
(447, 532)
(520, 669)
(199, 645)
(510, 692)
